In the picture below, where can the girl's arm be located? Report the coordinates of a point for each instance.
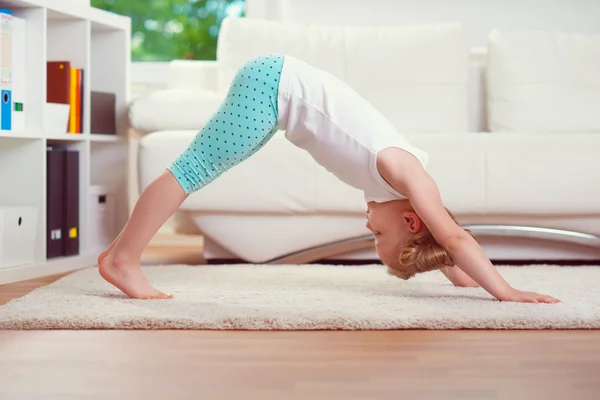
(458, 277)
(406, 174)
(462, 248)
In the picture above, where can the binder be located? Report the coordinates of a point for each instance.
(55, 201)
(71, 205)
(6, 28)
(62, 197)
(102, 110)
(19, 75)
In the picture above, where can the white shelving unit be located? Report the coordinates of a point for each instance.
(99, 43)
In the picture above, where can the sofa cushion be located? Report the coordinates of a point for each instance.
(277, 179)
(197, 75)
(283, 179)
(457, 164)
(540, 174)
(241, 39)
(173, 109)
(477, 173)
(543, 82)
(417, 76)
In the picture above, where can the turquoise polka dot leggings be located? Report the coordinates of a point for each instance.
(243, 123)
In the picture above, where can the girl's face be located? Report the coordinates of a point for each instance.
(392, 223)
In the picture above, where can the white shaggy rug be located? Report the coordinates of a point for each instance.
(308, 297)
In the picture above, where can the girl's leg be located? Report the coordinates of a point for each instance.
(121, 267)
(243, 124)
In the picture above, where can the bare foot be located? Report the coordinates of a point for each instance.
(103, 255)
(129, 278)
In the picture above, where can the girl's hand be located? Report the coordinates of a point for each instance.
(528, 297)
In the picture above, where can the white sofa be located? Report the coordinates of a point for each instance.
(537, 165)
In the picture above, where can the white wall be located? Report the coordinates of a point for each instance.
(478, 16)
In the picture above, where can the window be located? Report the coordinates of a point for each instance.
(164, 30)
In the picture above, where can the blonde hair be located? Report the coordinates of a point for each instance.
(421, 254)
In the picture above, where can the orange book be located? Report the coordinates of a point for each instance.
(73, 101)
(78, 102)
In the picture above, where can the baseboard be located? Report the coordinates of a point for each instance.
(50, 267)
(575, 262)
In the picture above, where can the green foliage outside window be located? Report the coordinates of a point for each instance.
(163, 30)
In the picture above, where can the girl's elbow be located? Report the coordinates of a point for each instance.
(457, 241)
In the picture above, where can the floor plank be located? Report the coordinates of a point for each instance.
(301, 365)
(318, 365)
(18, 289)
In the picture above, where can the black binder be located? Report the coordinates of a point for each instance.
(62, 197)
(71, 215)
(55, 202)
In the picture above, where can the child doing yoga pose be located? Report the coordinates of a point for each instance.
(346, 135)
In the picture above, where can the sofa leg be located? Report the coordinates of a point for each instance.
(326, 250)
(534, 232)
(368, 241)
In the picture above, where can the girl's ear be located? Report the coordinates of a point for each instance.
(413, 221)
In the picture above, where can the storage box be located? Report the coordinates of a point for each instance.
(102, 217)
(56, 118)
(18, 231)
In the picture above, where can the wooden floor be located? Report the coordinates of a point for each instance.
(296, 365)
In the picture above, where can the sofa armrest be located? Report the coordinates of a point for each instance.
(193, 75)
(173, 109)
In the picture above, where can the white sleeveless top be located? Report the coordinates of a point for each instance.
(342, 131)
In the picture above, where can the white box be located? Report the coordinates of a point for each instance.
(56, 118)
(102, 217)
(18, 228)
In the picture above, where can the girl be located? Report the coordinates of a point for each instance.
(344, 133)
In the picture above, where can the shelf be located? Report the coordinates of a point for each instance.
(100, 137)
(18, 4)
(49, 267)
(70, 10)
(99, 43)
(67, 137)
(65, 15)
(21, 135)
(63, 137)
(103, 21)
